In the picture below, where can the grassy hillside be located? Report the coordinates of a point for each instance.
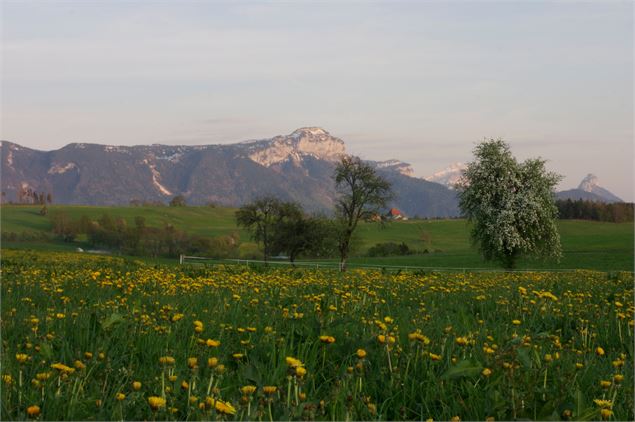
(586, 244)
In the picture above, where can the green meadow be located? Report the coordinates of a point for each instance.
(439, 243)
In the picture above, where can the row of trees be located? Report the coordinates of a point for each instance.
(619, 212)
(28, 196)
(509, 204)
(140, 239)
(282, 227)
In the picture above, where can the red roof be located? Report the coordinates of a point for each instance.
(395, 211)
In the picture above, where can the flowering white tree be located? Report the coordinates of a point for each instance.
(511, 205)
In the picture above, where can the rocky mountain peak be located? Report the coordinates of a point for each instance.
(589, 183)
(303, 142)
(309, 131)
(398, 166)
(449, 176)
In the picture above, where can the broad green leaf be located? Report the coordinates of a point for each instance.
(112, 320)
(465, 368)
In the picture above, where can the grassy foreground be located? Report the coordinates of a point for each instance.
(102, 338)
(586, 244)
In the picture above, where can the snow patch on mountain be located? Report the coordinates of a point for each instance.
(62, 168)
(398, 166)
(156, 176)
(449, 176)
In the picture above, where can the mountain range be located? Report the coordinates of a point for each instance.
(296, 167)
(589, 188)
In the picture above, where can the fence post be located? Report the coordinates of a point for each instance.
(181, 259)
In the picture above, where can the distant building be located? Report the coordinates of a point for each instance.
(395, 214)
(374, 218)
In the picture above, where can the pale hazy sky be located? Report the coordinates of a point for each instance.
(416, 81)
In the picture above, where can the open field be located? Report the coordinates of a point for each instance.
(586, 244)
(102, 338)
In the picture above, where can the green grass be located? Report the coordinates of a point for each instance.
(586, 244)
(205, 221)
(530, 346)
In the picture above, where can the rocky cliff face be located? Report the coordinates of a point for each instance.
(305, 142)
(297, 167)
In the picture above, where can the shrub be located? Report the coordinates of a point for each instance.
(389, 249)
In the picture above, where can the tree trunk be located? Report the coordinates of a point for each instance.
(510, 261)
(343, 265)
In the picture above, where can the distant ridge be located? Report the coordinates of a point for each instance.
(296, 167)
(589, 190)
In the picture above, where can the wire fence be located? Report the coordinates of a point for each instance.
(335, 265)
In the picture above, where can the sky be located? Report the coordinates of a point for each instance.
(418, 81)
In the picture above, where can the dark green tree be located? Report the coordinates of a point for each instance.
(262, 216)
(362, 193)
(511, 205)
(297, 235)
(178, 201)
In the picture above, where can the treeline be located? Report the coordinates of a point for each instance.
(28, 196)
(619, 212)
(140, 239)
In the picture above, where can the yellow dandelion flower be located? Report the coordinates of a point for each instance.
(604, 404)
(33, 411)
(167, 360)
(220, 406)
(293, 362)
(156, 403)
(212, 343)
(361, 353)
(461, 341)
(327, 339)
(63, 368)
(248, 390)
(269, 389)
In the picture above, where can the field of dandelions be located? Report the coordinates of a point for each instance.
(103, 338)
